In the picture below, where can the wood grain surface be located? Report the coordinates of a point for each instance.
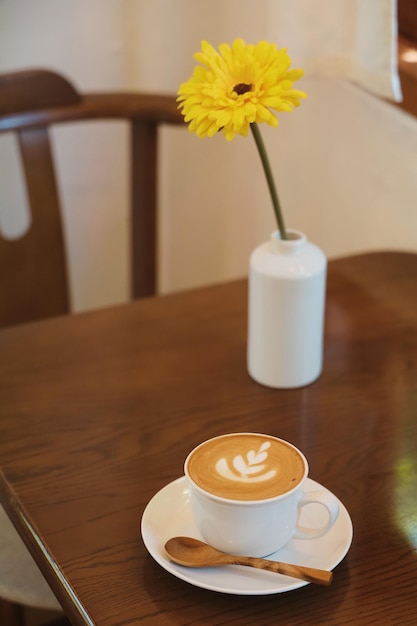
(99, 410)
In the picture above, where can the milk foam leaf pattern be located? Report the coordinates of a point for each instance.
(250, 474)
(254, 469)
(239, 464)
(260, 456)
(236, 88)
(246, 468)
(254, 461)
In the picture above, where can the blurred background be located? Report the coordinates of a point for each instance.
(345, 161)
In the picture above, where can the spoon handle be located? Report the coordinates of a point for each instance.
(309, 574)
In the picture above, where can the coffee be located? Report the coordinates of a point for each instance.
(246, 466)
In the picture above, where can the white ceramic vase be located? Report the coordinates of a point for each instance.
(287, 290)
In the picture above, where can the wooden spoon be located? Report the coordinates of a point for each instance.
(194, 553)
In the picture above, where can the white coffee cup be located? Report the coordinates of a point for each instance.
(247, 493)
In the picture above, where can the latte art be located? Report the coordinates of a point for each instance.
(251, 470)
(246, 466)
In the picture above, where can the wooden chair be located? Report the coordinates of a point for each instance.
(35, 284)
(33, 269)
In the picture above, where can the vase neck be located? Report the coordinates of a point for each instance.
(295, 242)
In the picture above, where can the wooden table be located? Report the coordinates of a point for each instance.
(98, 411)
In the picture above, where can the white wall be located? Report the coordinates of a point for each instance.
(345, 161)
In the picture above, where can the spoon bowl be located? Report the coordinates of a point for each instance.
(191, 552)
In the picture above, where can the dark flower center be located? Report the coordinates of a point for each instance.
(242, 88)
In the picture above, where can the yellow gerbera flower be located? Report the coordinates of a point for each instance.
(237, 86)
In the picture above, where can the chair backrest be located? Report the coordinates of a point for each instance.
(33, 269)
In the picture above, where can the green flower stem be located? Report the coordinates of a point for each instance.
(269, 178)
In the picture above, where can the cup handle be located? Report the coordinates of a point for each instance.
(326, 499)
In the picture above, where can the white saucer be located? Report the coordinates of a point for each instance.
(168, 514)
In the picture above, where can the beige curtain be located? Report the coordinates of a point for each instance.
(352, 39)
